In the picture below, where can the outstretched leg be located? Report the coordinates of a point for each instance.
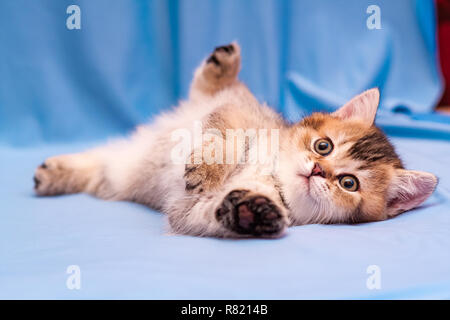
(70, 173)
(218, 71)
(106, 172)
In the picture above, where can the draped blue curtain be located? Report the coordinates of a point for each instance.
(132, 59)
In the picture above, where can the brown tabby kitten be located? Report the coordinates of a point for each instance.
(328, 168)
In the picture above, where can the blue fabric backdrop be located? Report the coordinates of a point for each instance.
(64, 90)
(132, 59)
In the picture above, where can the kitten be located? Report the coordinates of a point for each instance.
(328, 168)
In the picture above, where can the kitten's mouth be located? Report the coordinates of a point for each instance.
(305, 179)
(302, 176)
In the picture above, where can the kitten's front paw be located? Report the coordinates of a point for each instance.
(247, 213)
(224, 61)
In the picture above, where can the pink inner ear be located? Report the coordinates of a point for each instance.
(406, 201)
(409, 190)
(362, 107)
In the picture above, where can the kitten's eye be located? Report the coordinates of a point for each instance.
(323, 146)
(349, 183)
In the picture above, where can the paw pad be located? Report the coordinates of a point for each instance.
(250, 214)
(213, 59)
(222, 55)
(37, 182)
(228, 49)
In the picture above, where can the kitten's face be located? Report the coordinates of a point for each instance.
(341, 168)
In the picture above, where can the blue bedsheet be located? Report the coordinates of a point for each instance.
(65, 90)
(122, 251)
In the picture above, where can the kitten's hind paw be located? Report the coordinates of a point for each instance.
(247, 213)
(57, 176)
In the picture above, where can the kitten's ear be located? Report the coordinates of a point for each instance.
(408, 189)
(362, 107)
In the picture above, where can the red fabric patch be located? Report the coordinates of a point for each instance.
(443, 7)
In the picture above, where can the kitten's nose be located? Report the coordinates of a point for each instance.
(317, 170)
